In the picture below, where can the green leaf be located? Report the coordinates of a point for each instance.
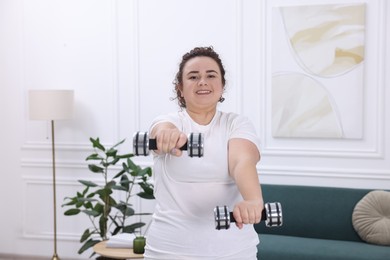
(129, 212)
(125, 209)
(111, 152)
(131, 165)
(92, 254)
(79, 204)
(125, 156)
(117, 187)
(88, 183)
(119, 173)
(87, 200)
(96, 144)
(113, 219)
(94, 156)
(72, 201)
(110, 184)
(95, 168)
(90, 243)
(85, 191)
(71, 212)
(99, 208)
(113, 162)
(85, 235)
(119, 143)
(148, 187)
(125, 167)
(131, 228)
(91, 195)
(116, 230)
(91, 213)
(125, 182)
(148, 191)
(88, 205)
(145, 171)
(146, 196)
(149, 171)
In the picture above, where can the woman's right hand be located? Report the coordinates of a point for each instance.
(169, 139)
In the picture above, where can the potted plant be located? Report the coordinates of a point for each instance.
(98, 202)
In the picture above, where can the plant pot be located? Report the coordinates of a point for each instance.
(139, 245)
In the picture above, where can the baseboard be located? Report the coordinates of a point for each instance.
(23, 257)
(19, 257)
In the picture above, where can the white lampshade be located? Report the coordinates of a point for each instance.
(50, 104)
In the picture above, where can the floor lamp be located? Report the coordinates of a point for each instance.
(51, 105)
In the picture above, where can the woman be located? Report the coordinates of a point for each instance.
(187, 189)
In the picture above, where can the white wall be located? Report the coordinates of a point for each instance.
(120, 57)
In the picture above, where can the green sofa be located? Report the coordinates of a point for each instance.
(317, 224)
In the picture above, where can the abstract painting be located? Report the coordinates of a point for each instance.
(317, 71)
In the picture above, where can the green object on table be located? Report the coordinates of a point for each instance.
(139, 245)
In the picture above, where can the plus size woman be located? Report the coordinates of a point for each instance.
(188, 188)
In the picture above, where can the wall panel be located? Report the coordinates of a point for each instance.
(312, 161)
(192, 23)
(63, 49)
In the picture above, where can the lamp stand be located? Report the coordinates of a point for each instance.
(55, 256)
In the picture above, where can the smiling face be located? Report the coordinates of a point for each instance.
(202, 85)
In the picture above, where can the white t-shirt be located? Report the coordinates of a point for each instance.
(188, 188)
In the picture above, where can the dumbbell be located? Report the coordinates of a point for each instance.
(272, 214)
(142, 144)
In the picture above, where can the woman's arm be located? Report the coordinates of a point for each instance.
(243, 157)
(169, 138)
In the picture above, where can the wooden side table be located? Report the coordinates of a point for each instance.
(116, 253)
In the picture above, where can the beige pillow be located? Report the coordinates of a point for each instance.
(371, 217)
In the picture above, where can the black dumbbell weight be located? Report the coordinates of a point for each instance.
(142, 144)
(272, 215)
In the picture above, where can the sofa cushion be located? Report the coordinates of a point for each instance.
(276, 247)
(371, 217)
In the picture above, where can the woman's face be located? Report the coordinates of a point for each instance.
(202, 83)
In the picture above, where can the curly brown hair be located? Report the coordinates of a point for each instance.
(196, 52)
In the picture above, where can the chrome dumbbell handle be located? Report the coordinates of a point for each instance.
(142, 144)
(272, 215)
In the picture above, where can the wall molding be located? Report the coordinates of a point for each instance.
(73, 164)
(46, 181)
(380, 108)
(47, 163)
(115, 67)
(136, 64)
(331, 173)
(36, 145)
(324, 153)
(239, 56)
